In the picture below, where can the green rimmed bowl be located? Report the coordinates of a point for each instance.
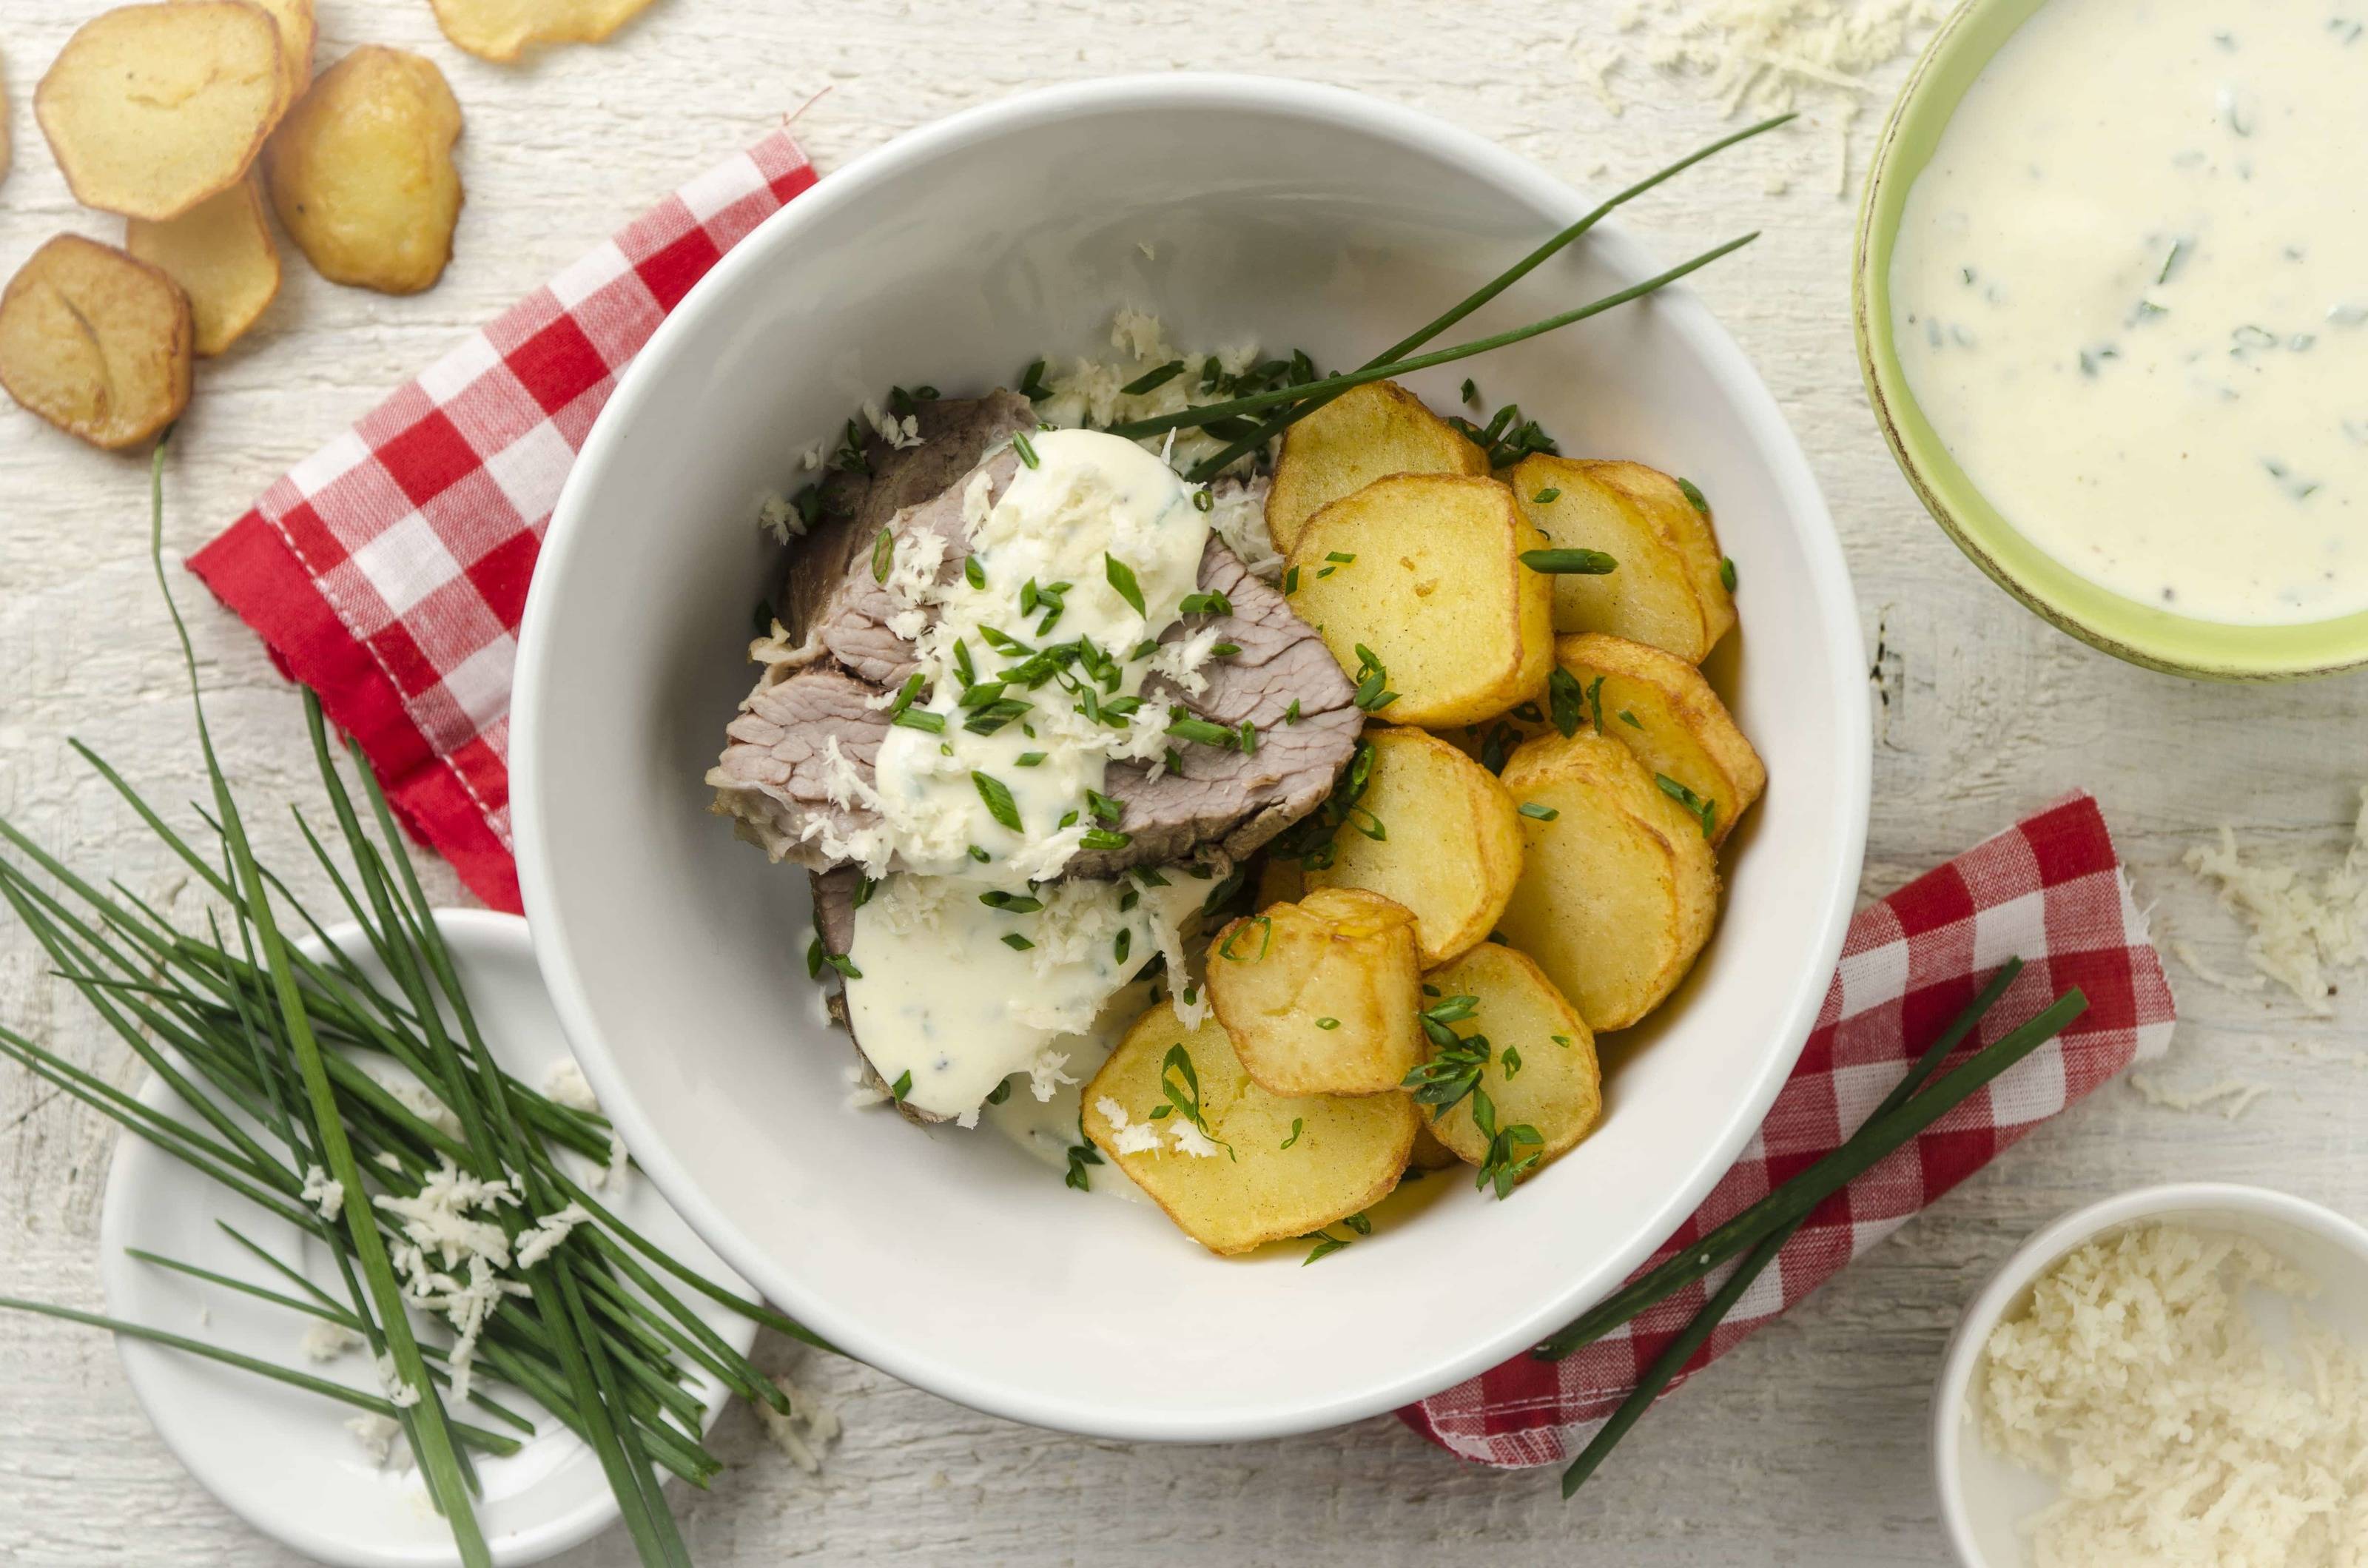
(2142, 633)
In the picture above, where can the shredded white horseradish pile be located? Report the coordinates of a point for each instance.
(2136, 1379)
(1765, 56)
(2300, 929)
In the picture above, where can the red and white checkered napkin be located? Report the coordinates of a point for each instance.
(2048, 890)
(388, 569)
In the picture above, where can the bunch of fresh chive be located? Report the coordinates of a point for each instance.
(1755, 1236)
(252, 1033)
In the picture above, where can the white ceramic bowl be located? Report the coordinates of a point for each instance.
(1983, 1496)
(1234, 208)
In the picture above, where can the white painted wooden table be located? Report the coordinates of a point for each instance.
(1805, 1446)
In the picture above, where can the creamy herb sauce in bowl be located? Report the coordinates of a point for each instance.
(2130, 293)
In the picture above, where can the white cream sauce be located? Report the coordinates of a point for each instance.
(973, 965)
(2131, 293)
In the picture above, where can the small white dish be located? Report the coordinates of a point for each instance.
(281, 1459)
(1239, 209)
(1984, 1496)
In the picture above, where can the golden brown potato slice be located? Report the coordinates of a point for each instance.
(1449, 843)
(1649, 596)
(362, 174)
(1364, 433)
(1318, 997)
(95, 342)
(1272, 1165)
(1619, 888)
(1660, 708)
(221, 252)
(1682, 515)
(1540, 1072)
(1417, 580)
(500, 30)
(152, 109)
(299, 31)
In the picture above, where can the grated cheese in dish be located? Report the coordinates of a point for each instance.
(2138, 1382)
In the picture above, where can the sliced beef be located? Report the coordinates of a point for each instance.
(955, 432)
(776, 777)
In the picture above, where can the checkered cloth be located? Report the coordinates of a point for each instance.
(2050, 891)
(388, 569)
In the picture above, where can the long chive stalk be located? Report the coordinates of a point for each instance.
(476, 1437)
(1209, 467)
(1332, 386)
(1794, 1201)
(1680, 1350)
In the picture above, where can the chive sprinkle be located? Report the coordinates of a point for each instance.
(997, 796)
(1024, 446)
(884, 553)
(1547, 496)
(1121, 579)
(1538, 812)
(1694, 496)
(1570, 562)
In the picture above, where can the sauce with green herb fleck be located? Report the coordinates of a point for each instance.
(2131, 294)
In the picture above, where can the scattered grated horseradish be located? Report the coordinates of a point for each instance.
(377, 1434)
(806, 1431)
(1764, 56)
(2230, 1097)
(565, 1085)
(2300, 930)
(327, 1341)
(1091, 393)
(2136, 1379)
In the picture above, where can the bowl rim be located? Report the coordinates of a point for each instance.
(2139, 633)
(1791, 1016)
(1952, 1390)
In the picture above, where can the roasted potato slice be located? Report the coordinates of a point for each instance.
(1417, 579)
(1683, 514)
(1619, 888)
(152, 109)
(1660, 708)
(221, 252)
(362, 174)
(1364, 433)
(1541, 1069)
(1318, 997)
(1271, 1166)
(1649, 596)
(500, 30)
(1448, 846)
(95, 342)
(299, 31)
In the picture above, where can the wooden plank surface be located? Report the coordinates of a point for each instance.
(1805, 1447)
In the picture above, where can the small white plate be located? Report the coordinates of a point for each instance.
(281, 1459)
(1984, 1495)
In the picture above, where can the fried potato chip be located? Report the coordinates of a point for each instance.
(362, 174)
(501, 30)
(1233, 1165)
(298, 31)
(1539, 1070)
(152, 109)
(1318, 997)
(95, 342)
(221, 252)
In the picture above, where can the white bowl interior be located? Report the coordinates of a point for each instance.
(1297, 217)
(1985, 1495)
